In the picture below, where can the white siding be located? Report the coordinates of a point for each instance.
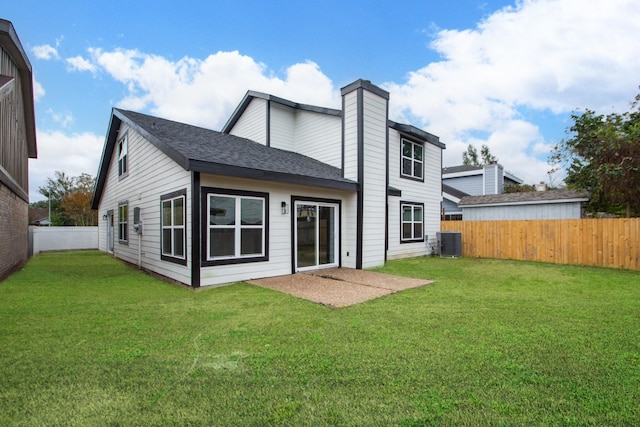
(253, 122)
(350, 136)
(427, 192)
(374, 181)
(283, 127)
(319, 136)
(280, 238)
(151, 174)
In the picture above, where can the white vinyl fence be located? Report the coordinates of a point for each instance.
(62, 239)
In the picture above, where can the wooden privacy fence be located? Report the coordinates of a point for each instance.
(610, 242)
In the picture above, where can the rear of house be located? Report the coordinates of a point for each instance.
(17, 145)
(285, 187)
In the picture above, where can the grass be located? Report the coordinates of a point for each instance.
(87, 340)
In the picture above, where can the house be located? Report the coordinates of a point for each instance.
(550, 204)
(470, 180)
(285, 187)
(17, 145)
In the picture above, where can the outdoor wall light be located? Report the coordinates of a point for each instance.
(284, 207)
(104, 217)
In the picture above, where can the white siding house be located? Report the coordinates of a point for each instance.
(285, 187)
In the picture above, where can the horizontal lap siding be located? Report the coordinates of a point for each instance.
(571, 210)
(471, 185)
(280, 237)
(151, 175)
(253, 122)
(282, 127)
(374, 182)
(611, 242)
(319, 136)
(427, 192)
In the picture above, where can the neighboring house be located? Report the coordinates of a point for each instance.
(38, 216)
(551, 204)
(17, 145)
(466, 180)
(286, 187)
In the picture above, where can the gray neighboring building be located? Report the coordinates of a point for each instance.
(466, 180)
(551, 204)
(17, 145)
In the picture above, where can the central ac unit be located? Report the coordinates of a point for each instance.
(449, 243)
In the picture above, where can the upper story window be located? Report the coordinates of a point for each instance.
(123, 222)
(173, 227)
(236, 229)
(412, 160)
(122, 156)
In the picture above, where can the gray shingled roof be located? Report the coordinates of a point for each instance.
(550, 196)
(453, 191)
(204, 150)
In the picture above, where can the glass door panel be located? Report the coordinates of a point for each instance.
(306, 238)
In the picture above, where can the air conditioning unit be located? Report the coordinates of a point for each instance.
(449, 243)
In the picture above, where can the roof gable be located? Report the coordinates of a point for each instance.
(203, 150)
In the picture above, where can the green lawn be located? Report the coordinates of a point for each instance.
(86, 340)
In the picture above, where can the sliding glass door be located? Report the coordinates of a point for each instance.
(316, 235)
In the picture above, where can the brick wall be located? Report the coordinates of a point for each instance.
(14, 213)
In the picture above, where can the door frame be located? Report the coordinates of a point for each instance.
(110, 232)
(337, 205)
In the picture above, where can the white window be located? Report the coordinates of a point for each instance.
(123, 222)
(122, 156)
(412, 222)
(173, 227)
(236, 228)
(412, 159)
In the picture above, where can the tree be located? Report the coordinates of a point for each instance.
(487, 157)
(470, 156)
(70, 199)
(602, 156)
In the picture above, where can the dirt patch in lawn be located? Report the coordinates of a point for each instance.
(339, 287)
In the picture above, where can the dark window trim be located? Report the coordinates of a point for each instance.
(124, 174)
(126, 241)
(171, 196)
(206, 191)
(413, 141)
(404, 203)
(295, 199)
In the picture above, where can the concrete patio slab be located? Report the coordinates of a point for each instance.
(339, 287)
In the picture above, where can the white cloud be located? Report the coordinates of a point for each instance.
(45, 52)
(551, 56)
(72, 154)
(78, 63)
(38, 90)
(64, 119)
(544, 55)
(205, 92)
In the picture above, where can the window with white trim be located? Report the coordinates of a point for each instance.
(236, 226)
(412, 222)
(173, 244)
(123, 222)
(123, 150)
(412, 160)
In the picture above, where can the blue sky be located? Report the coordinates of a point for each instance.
(502, 73)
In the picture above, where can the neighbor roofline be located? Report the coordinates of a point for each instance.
(526, 202)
